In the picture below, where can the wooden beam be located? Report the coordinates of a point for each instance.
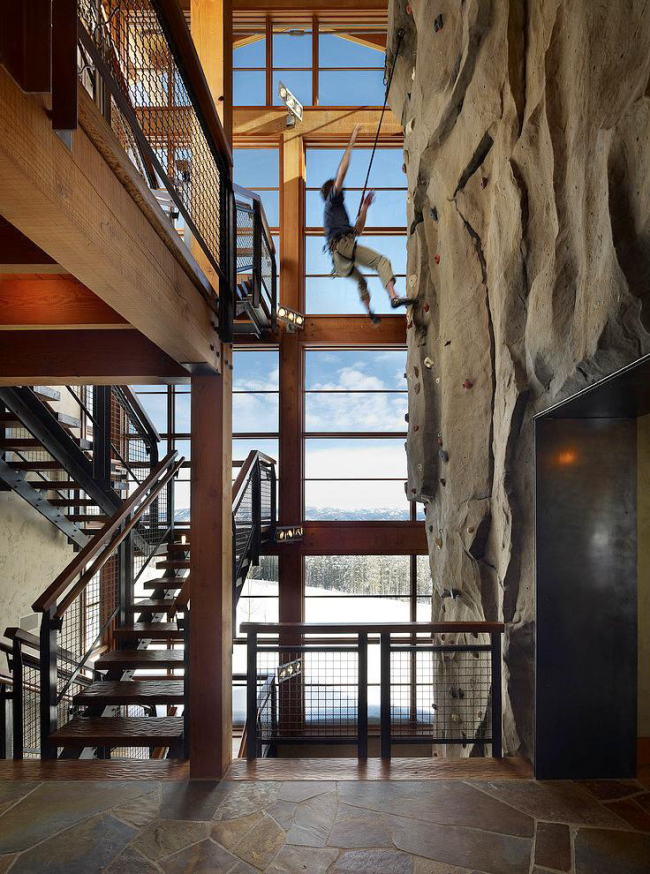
(71, 205)
(364, 538)
(19, 254)
(353, 331)
(309, 5)
(84, 357)
(319, 123)
(55, 302)
(26, 43)
(211, 572)
(211, 28)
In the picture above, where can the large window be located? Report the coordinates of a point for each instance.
(323, 62)
(354, 431)
(255, 403)
(385, 229)
(259, 171)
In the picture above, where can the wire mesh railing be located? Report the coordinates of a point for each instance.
(256, 264)
(254, 512)
(313, 687)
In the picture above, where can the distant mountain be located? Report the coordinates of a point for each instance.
(332, 514)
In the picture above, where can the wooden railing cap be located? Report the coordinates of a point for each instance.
(373, 627)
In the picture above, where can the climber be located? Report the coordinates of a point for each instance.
(341, 238)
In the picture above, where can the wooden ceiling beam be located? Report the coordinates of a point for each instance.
(70, 203)
(19, 255)
(319, 123)
(90, 357)
(353, 331)
(358, 538)
(54, 302)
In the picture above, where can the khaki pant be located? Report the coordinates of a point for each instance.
(346, 259)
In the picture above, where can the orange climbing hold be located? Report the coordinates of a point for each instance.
(426, 308)
(436, 258)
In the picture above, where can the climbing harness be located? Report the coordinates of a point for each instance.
(400, 37)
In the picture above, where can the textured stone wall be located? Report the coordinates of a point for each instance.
(527, 151)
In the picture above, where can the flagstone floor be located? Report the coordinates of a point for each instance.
(313, 827)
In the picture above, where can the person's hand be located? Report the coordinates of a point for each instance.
(354, 136)
(369, 198)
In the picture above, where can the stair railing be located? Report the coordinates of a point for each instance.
(95, 589)
(254, 514)
(255, 255)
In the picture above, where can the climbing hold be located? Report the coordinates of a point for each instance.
(413, 491)
(436, 258)
(438, 23)
(413, 75)
(417, 388)
(433, 212)
(416, 428)
(416, 372)
(439, 440)
(413, 278)
(484, 182)
(428, 363)
(437, 380)
(406, 417)
(430, 529)
(426, 308)
(443, 482)
(457, 718)
(448, 343)
(409, 127)
(409, 11)
(409, 324)
(408, 196)
(403, 168)
(406, 376)
(470, 530)
(434, 706)
(468, 383)
(420, 468)
(444, 455)
(438, 542)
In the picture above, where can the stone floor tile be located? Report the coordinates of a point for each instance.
(552, 801)
(643, 800)
(304, 789)
(601, 851)
(313, 821)
(609, 790)
(244, 868)
(302, 860)
(356, 829)
(132, 862)
(283, 812)
(633, 813)
(464, 847)
(139, 811)
(429, 866)
(242, 798)
(373, 862)
(443, 801)
(57, 805)
(643, 775)
(197, 800)
(205, 857)
(229, 832)
(553, 846)
(11, 792)
(87, 847)
(262, 843)
(164, 837)
(5, 863)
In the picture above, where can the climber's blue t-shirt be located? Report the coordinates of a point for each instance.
(336, 220)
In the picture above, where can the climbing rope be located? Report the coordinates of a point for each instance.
(400, 37)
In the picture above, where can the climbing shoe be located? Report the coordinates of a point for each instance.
(374, 318)
(399, 302)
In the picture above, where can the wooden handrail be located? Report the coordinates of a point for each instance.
(373, 627)
(141, 412)
(61, 583)
(242, 476)
(239, 189)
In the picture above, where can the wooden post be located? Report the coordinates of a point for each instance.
(211, 574)
(211, 26)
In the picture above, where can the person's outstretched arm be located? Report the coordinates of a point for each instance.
(363, 212)
(345, 160)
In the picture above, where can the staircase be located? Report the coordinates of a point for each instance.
(255, 286)
(122, 690)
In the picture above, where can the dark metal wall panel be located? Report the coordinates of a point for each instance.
(586, 672)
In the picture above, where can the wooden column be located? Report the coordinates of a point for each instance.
(211, 26)
(211, 575)
(291, 456)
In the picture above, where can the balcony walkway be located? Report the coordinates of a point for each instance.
(442, 826)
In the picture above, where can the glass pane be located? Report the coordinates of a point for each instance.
(357, 574)
(251, 51)
(253, 167)
(340, 296)
(263, 609)
(242, 446)
(386, 167)
(292, 48)
(351, 50)
(335, 369)
(155, 405)
(349, 458)
(181, 500)
(299, 82)
(356, 501)
(271, 204)
(184, 448)
(351, 88)
(355, 412)
(357, 610)
(424, 581)
(253, 413)
(183, 413)
(424, 610)
(249, 88)
(388, 210)
(256, 370)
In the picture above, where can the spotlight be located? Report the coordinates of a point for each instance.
(288, 534)
(289, 670)
(293, 320)
(292, 103)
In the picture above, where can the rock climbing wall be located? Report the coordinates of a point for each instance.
(527, 152)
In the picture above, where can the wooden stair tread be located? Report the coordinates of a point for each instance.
(121, 730)
(149, 631)
(156, 604)
(87, 517)
(72, 502)
(164, 583)
(178, 563)
(46, 393)
(36, 465)
(141, 658)
(110, 692)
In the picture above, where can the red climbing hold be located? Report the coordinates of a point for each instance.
(484, 182)
(416, 427)
(408, 9)
(436, 258)
(413, 491)
(426, 308)
(439, 441)
(467, 384)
